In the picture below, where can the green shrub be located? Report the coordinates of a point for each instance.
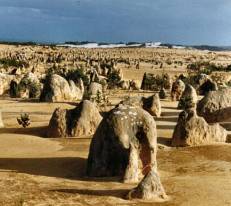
(24, 120)
(205, 67)
(113, 79)
(75, 75)
(72, 74)
(33, 87)
(6, 62)
(155, 82)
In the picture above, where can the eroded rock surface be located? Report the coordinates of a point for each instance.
(188, 98)
(125, 145)
(177, 89)
(81, 121)
(215, 106)
(152, 105)
(58, 89)
(192, 130)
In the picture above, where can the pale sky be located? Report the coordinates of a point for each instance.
(169, 21)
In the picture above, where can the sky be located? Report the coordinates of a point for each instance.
(191, 22)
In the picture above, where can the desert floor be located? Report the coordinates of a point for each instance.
(35, 170)
(38, 171)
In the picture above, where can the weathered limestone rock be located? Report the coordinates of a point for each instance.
(188, 98)
(155, 82)
(124, 85)
(135, 101)
(104, 84)
(94, 76)
(207, 86)
(177, 89)
(215, 106)
(58, 125)
(133, 85)
(28, 87)
(162, 93)
(152, 105)
(95, 88)
(201, 79)
(57, 89)
(125, 144)
(13, 88)
(150, 188)
(31, 77)
(81, 121)
(192, 130)
(5, 80)
(77, 90)
(24, 93)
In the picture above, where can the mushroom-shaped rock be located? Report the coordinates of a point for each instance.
(152, 105)
(177, 89)
(192, 130)
(215, 106)
(125, 144)
(81, 121)
(188, 98)
(57, 89)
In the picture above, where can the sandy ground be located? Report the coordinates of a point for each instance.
(35, 170)
(38, 171)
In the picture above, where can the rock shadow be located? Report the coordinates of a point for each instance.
(35, 131)
(119, 193)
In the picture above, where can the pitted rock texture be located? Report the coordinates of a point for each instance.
(125, 145)
(177, 89)
(189, 98)
(192, 130)
(58, 89)
(215, 106)
(81, 121)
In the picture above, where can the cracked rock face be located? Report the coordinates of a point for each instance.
(192, 130)
(125, 145)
